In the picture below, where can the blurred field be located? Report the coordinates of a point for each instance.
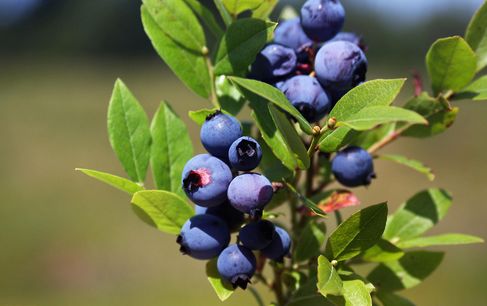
(69, 240)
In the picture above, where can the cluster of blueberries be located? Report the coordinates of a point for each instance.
(224, 191)
(311, 61)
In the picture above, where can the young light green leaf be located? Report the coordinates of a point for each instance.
(417, 215)
(451, 64)
(113, 180)
(240, 45)
(476, 91)
(199, 116)
(231, 99)
(236, 7)
(206, 16)
(392, 299)
(355, 292)
(265, 9)
(307, 202)
(383, 251)
(372, 93)
(128, 130)
(370, 117)
(273, 95)
(291, 136)
(171, 149)
(310, 241)
(439, 118)
(329, 282)
(358, 233)
(445, 239)
(176, 19)
(227, 19)
(189, 66)
(407, 272)
(476, 36)
(166, 209)
(411, 163)
(222, 287)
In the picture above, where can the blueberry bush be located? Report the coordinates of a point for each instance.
(317, 128)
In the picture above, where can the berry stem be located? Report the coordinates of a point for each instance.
(213, 96)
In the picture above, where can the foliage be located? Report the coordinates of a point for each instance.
(320, 271)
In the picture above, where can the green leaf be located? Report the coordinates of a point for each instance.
(206, 16)
(329, 282)
(372, 93)
(166, 209)
(418, 214)
(199, 116)
(355, 293)
(371, 117)
(265, 9)
(383, 251)
(190, 66)
(439, 118)
(273, 95)
(392, 299)
(128, 130)
(171, 149)
(476, 91)
(307, 202)
(271, 166)
(222, 287)
(476, 36)
(291, 136)
(236, 7)
(411, 163)
(407, 272)
(445, 239)
(240, 45)
(227, 19)
(368, 138)
(310, 241)
(358, 233)
(451, 64)
(176, 19)
(113, 180)
(230, 98)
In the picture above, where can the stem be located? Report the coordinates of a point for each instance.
(277, 286)
(213, 96)
(310, 174)
(387, 140)
(257, 296)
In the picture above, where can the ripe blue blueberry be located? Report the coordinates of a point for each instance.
(205, 180)
(307, 95)
(257, 234)
(273, 62)
(245, 154)
(203, 237)
(353, 167)
(350, 37)
(289, 33)
(250, 192)
(234, 218)
(322, 19)
(237, 265)
(218, 133)
(279, 247)
(340, 66)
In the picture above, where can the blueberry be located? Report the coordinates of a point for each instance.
(237, 265)
(234, 218)
(218, 133)
(257, 234)
(350, 37)
(353, 167)
(340, 66)
(280, 245)
(307, 95)
(203, 237)
(322, 19)
(245, 154)
(250, 192)
(274, 61)
(205, 180)
(289, 33)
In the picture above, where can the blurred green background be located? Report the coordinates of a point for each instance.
(69, 240)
